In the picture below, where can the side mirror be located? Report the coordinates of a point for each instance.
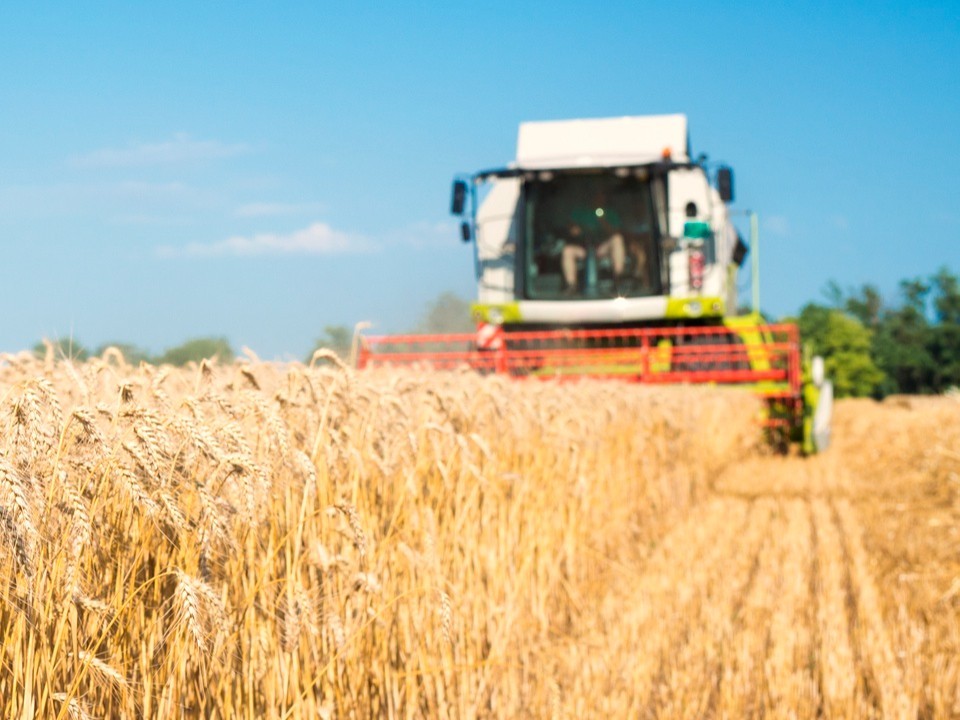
(725, 183)
(740, 251)
(459, 200)
(465, 233)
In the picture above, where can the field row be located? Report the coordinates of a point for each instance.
(752, 608)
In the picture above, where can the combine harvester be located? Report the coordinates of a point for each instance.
(606, 251)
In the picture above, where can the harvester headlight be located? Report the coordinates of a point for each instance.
(495, 316)
(694, 309)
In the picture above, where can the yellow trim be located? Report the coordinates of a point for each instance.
(508, 313)
(738, 322)
(660, 356)
(748, 328)
(709, 306)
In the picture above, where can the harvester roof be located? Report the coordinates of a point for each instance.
(657, 142)
(603, 142)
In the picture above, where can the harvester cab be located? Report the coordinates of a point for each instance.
(602, 222)
(605, 249)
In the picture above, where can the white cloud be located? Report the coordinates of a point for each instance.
(427, 234)
(840, 222)
(107, 199)
(182, 148)
(316, 239)
(147, 219)
(776, 225)
(274, 209)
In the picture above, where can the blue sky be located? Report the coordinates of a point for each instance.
(261, 170)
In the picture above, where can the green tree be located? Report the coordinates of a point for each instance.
(946, 302)
(845, 345)
(945, 335)
(448, 313)
(131, 353)
(198, 349)
(866, 305)
(335, 337)
(902, 344)
(63, 348)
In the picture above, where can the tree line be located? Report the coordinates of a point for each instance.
(873, 347)
(448, 313)
(193, 350)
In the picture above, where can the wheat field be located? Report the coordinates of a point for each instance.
(265, 540)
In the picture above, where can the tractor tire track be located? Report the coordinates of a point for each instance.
(838, 677)
(745, 638)
(661, 599)
(788, 673)
(691, 666)
(759, 604)
(878, 662)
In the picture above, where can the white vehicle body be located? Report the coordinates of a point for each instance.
(648, 153)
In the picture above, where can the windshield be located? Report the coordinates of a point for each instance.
(590, 236)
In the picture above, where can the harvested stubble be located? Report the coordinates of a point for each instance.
(260, 540)
(882, 611)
